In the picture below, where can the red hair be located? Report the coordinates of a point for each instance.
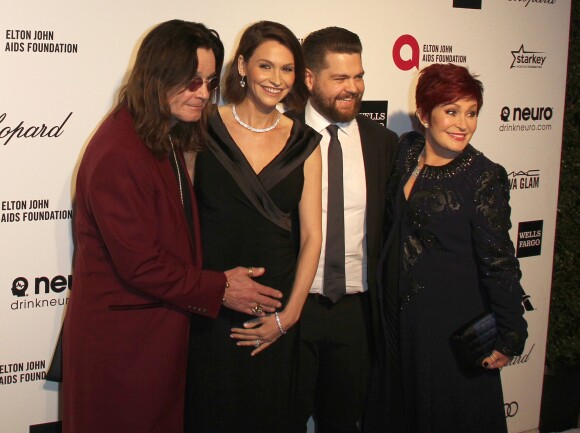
(441, 84)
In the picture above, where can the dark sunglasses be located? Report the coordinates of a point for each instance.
(197, 82)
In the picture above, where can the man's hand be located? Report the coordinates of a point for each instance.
(246, 296)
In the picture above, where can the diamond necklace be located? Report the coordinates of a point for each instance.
(178, 170)
(251, 128)
(417, 168)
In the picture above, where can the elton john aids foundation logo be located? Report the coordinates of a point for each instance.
(406, 43)
(407, 53)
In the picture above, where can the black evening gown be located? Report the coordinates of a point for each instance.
(449, 259)
(245, 221)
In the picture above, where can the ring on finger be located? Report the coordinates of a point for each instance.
(258, 342)
(250, 272)
(493, 357)
(257, 309)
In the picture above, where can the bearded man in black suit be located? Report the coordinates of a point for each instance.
(340, 324)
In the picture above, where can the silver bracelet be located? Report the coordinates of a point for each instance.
(280, 327)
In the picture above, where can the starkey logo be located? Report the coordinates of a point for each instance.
(527, 59)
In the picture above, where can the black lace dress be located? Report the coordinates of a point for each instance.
(245, 221)
(449, 259)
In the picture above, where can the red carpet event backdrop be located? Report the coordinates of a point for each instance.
(63, 62)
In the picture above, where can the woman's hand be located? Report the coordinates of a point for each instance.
(260, 332)
(495, 360)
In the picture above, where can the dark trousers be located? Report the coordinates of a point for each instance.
(334, 362)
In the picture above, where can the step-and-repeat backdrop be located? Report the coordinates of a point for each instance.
(62, 63)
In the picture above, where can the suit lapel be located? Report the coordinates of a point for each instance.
(372, 178)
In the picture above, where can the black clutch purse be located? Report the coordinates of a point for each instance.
(474, 341)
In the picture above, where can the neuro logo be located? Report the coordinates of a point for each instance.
(511, 409)
(518, 114)
(505, 114)
(42, 285)
(19, 286)
(527, 59)
(526, 119)
(410, 62)
(467, 4)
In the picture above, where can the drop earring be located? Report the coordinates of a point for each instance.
(243, 82)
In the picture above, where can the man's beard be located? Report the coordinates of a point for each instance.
(326, 106)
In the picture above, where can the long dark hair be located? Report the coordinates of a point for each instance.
(166, 60)
(252, 38)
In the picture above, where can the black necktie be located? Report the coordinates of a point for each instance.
(334, 279)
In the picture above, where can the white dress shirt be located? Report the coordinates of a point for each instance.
(354, 201)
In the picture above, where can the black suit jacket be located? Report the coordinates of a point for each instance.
(379, 146)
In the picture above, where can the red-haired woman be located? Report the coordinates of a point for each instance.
(448, 259)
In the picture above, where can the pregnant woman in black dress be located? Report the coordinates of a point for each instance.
(260, 169)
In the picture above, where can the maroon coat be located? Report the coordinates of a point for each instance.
(137, 277)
